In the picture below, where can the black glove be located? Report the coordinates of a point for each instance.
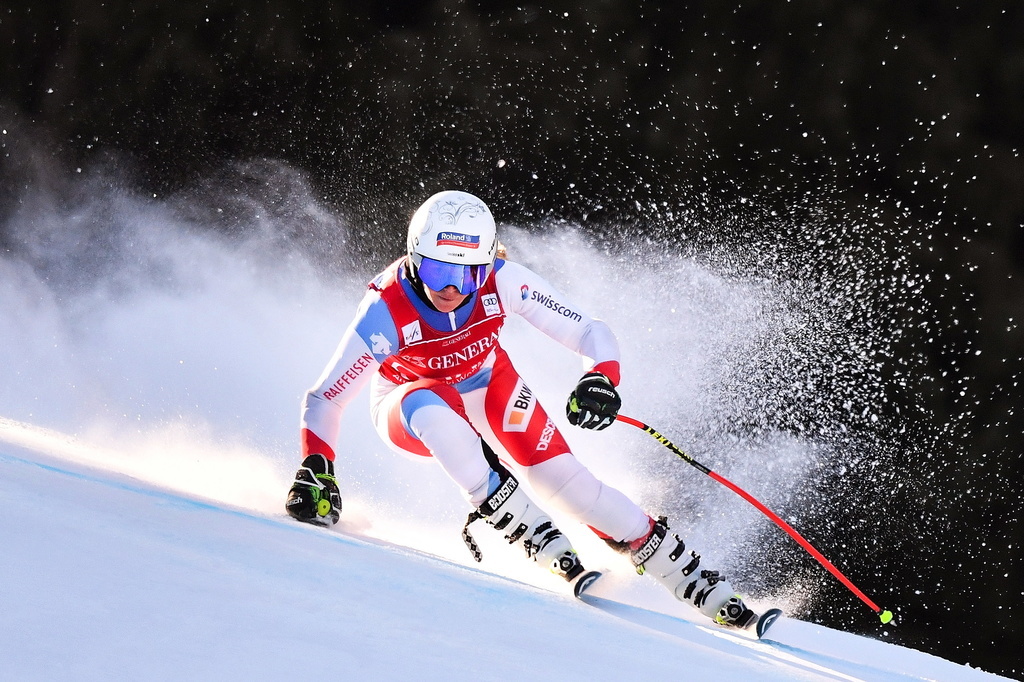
(314, 496)
(594, 403)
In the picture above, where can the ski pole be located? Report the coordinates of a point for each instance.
(884, 615)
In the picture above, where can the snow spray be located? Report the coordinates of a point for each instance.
(181, 332)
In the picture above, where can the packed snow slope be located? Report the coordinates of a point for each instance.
(105, 575)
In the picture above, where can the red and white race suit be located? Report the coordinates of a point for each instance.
(441, 381)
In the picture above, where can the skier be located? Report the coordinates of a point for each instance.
(425, 337)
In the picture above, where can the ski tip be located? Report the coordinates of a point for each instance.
(766, 620)
(584, 582)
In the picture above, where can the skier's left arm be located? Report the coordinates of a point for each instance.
(595, 402)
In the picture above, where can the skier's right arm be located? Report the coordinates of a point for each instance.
(367, 341)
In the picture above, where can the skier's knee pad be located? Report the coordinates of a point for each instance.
(664, 556)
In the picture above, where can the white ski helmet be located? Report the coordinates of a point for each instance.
(452, 241)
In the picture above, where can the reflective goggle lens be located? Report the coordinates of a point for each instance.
(438, 275)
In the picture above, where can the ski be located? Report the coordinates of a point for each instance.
(584, 581)
(766, 620)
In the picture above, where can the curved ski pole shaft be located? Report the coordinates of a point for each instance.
(884, 616)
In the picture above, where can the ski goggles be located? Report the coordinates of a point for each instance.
(437, 275)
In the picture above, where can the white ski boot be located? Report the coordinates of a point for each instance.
(662, 555)
(510, 510)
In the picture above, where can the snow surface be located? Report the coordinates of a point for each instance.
(106, 575)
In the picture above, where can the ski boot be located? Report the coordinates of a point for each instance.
(663, 555)
(734, 613)
(511, 511)
(314, 496)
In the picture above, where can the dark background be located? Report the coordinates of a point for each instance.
(604, 113)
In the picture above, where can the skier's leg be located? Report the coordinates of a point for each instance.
(429, 418)
(522, 427)
(571, 488)
(559, 479)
